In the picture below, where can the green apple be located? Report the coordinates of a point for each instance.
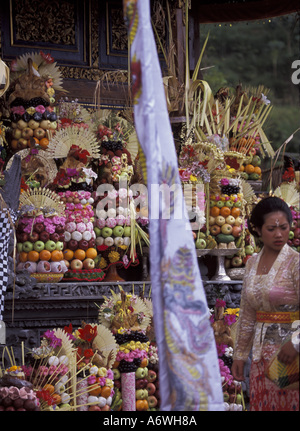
(59, 245)
(106, 232)
(226, 229)
(50, 245)
(212, 203)
(220, 220)
(140, 373)
(220, 204)
(97, 231)
(229, 203)
(141, 394)
(19, 247)
(256, 161)
(230, 219)
(118, 231)
(238, 204)
(117, 374)
(27, 246)
(127, 231)
(249, 249)
(39, 246)
(200, 243)
(291, 234)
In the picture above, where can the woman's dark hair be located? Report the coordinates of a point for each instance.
(264, 207)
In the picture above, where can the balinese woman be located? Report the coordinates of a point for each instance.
(269, 309)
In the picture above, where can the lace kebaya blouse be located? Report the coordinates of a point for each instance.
(276, 291)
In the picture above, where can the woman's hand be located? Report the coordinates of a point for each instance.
(237, 370)
(287, 353)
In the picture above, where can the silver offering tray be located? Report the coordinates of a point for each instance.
(202, 251)
(221, 274)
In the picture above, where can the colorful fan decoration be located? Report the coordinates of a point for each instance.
(61, 143)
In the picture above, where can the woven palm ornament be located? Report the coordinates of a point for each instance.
(61, 143)
(42, 199)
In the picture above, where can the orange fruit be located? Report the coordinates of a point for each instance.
(79, 254)
(45, 255)
(33, 256)
(235, 212)
(257, 170)
(23, 256)
(242, 168)
(225, 211)
(32, 140)
(249, 169)
(68, 254)
(96, 390)
(44, 142)
(105, 391)
(57, 255)
(242, 142)
(250, 142)
(91, 253)
(49, 388)
(215, 211)
(56, 398)
(141, 405)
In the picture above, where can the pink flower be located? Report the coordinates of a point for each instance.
(40, 108)
(50, 228)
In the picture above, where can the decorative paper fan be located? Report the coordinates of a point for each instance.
(60, 144)
(41, 68)
(106, 344)
(108, 310)
(67, 346)
(248, 192)
(48, 165)
(44, 199)
(289, 193)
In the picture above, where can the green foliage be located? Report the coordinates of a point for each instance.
(258, 53)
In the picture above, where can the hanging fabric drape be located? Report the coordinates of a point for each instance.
(189, 372)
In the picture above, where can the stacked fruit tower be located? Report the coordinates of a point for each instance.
(128, 318)
(115, 227)
(79, 236)
(75, 144)
(40, 234)
(31, 97)
(226, 214)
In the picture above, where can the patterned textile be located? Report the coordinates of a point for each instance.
(5, 231)
(266, 395)
(278, 291)
(189, 370)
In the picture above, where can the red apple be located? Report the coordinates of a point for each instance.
(83, 244)
(151, 376)
(88, 263)
(73, 244)
(92, 243)
(236, 231)
(296, 242)
(215, 229)
(23, 237)
(76, 264)
(141, 383)
(152, 401)
(33, 237)
(44, 236)
(27, 132)
(59, 228)
(151, 388)
(39, 227)
(39, 133)
(297, 232)
(54, 236)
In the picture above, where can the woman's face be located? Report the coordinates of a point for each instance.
(275, 230)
